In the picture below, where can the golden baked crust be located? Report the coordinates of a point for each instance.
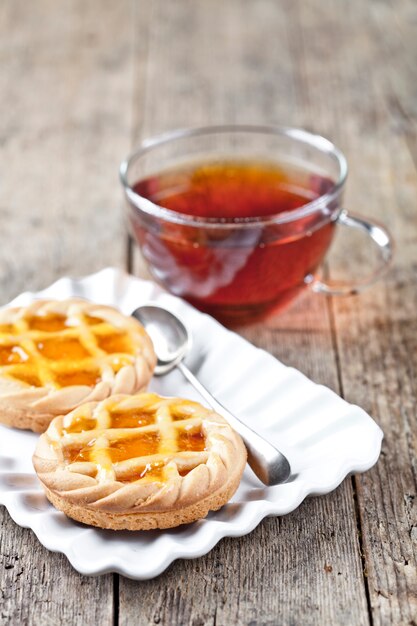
(139, 462)
(56, 355)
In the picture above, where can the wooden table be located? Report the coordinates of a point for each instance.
(80, 84)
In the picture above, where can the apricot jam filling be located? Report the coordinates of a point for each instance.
(62, 349)
(77, 453)
(155, 471)
(28, 377)
(184, 472)
(7, 329)
(131, 419)
(179, 414)
(191, 441)
(79, 425)
(144, 444)
(117, 342)
(47, 323)
(90, 320)
(10, 355)
(77, 377)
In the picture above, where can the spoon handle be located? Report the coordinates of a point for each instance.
(268, 463)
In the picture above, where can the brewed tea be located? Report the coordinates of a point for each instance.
(241, 263)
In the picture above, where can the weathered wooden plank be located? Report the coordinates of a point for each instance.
(304, 568)
(380, 375)
(40, 587)
(376, 332)
(66, 91)
(281, 62)
(66, 122)
(287, 571)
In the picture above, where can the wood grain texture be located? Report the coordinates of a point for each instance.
(287, 571)
(66, 92)
(40, 587)
(70, 73)
(283, 572)
(377, 333)
(65, 125)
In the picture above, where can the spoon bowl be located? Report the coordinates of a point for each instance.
(170, 337)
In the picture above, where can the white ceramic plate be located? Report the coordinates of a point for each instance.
(324, 437)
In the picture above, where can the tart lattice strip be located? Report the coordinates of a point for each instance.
(151, 402)
(114, 434)
(58, 367)
(185, 461)
(21, 329)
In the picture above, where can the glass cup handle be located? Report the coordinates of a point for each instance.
(380, 237)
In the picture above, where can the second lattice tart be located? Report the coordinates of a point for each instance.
(139, 462)
(55, 355)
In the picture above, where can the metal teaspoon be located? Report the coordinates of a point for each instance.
(171, 342)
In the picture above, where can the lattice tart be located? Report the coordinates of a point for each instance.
(139, 462)
(56, 355)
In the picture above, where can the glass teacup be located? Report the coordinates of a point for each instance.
(237, 219)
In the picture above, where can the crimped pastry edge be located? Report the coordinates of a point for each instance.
(147, 520)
